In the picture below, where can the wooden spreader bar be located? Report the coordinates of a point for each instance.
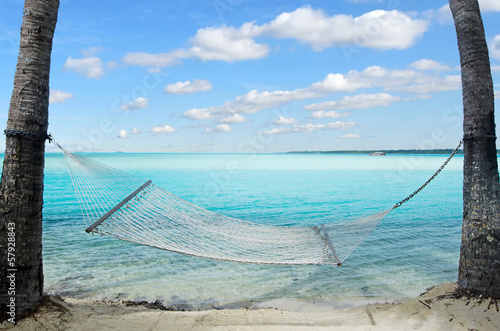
(118, 206)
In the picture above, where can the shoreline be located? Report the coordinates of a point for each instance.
(434, 309)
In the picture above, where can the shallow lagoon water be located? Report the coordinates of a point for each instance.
(415, 247)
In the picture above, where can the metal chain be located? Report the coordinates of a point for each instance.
(27, 134)
(430, 179)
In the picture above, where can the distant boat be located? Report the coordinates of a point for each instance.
(377, 153)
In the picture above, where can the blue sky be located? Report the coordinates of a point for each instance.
(250, 75)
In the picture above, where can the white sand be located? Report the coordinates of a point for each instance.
(426, 312)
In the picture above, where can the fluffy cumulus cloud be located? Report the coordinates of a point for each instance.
(123, 134)
(252, 102)
(57, 96)
(407, 80)
(89, 65)
(422, 79)
(135, 131)
(228, 44)
(426, 64)
(138, 103)
(162, 129)
(188, 87)
(377, 29)
(356, 102)
(234, 118)
(198, 114)
(308, 128)
(218, 128)
(281, 120)
(495, 47)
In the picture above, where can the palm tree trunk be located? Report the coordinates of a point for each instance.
(479, 268)
(21, 188)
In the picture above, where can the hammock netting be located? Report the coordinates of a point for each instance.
(126, 207)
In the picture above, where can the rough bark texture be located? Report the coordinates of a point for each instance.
(21, 189)
(479, 269)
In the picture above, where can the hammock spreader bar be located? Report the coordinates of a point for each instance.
(118, 206)
(330, 244)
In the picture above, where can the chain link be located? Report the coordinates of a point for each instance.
(430, 179)
(27, 134)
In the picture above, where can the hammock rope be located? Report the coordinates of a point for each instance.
(126, 207)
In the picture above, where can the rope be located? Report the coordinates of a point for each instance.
(27, 134)
(432, 177)
(481, 136)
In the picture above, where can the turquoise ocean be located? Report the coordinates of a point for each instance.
(415, 247)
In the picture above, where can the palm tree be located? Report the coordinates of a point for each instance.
(479, 268)
(21, 188)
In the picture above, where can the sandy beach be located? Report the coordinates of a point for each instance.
(434, 309)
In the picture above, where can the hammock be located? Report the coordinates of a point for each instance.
(126, 207)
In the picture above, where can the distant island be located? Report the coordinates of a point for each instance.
(387, 152)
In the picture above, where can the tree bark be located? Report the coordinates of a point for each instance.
(21, 188)
(479, 267)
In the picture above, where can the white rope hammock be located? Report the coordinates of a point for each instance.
(126, 207)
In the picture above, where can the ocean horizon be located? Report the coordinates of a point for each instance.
(415, 247)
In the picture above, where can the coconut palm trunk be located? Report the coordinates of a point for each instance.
(21, 189)
(479, 268)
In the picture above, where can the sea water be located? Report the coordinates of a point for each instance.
(415, 247)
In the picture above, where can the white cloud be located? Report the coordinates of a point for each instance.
(135, 131)
(90, 67)
(57, 96)
(228, 44)
(378, 29)
(350, 136)
(123, 134)
(339, 83)
(252, 102)
(162, 129)
(187, 87)
(307, 128)
(91, 51)
(138, 103)
(198, 114)
(443, 14)
(495, 47)
(408, 80)
(255, 101)
(155, 60)
(489, 5)
(219, 128)
(235, 118)
(497, 94)
(329, 114)
(281, 120)
(426, 64)
(356, 102)
(429, 84)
